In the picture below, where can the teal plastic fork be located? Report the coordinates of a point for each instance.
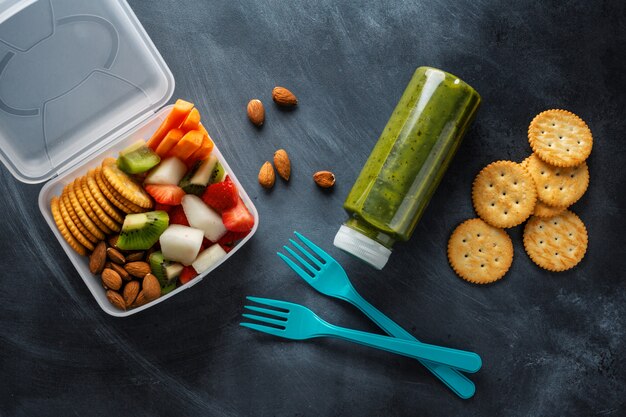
(294, 321)
(328, 277)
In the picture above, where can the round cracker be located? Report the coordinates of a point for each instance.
(113, 196)
(557, 186)
(479, 252)
(560, 138)
(558, 243)
(109, 160)
(82, 200)
(101, 199)
(65, 208)
(504, 194)
(58, 219)
(544, 210)
(82, 215)
(104, 217)
(125, 185)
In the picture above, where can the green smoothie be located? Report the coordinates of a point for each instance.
(408, 161)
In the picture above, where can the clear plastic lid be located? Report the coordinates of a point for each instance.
(72, 74)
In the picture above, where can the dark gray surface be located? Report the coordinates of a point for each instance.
(552, 344)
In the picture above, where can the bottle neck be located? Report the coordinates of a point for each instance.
(366, 229)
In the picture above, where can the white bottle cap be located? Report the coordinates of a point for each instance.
(362, 247)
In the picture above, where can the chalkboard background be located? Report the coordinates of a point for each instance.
(552, 344)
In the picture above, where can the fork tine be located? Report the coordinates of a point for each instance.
(267, 311)
(296, 268)
(265, 329)
(273, 303)
(302, 261)
(314, 247)
(265, 319)
(306, 252)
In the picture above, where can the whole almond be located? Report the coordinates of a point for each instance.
(282, 164)
(130, 292)
(137, 269)
(135, 256)
(256, 112)
(284, 97)
(324, 179)
(151, 290)
(112, 240)
(111, 279)
(116, 299)
(98, 258)
(266, 175)
(120, 270)
(151, 287)
(116, 256)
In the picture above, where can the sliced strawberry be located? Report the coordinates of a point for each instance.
(228, 247)
(164, 207)
(238, 218)
(232, 237)
(221, 196)
(169, 194)
(177, 216)
(187, 275)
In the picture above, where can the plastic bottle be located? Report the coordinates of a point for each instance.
(407, 164)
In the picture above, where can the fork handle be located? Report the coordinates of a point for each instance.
(452, 378)
(466, 361)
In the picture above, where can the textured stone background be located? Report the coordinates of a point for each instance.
(552, 344)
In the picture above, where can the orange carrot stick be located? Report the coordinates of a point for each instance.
(179, 113)
(192, 121)
(187, 145)
(169, 141)
(203, 151)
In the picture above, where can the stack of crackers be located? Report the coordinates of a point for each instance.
(539, 189)
(94, 205)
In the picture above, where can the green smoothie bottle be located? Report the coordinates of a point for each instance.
(406, 164)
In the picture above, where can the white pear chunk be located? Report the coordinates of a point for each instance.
(208, 258)
(169, 171)
(181, 243)
(203, 217)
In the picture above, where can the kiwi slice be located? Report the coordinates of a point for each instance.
(218, 174)
(166, 272)
(142, 230)
(168, 288)
(197, 179)
(137, 158)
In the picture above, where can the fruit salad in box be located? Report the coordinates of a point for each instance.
(137, 194)
(151, 215)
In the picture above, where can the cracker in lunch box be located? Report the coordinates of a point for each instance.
(544, 210)
(125, 185)
(101, 199)
(58, 219)
(480, 253)
(504, 194)
(560, 138)
(102, 215)
(71, 225)
(557, 243)
(82, 215)
(113, 196)
(557, 186)
(67, 205)
(82, 200)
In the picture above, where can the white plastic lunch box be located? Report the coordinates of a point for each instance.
(79, 81)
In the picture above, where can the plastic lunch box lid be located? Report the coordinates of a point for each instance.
(73, 75)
